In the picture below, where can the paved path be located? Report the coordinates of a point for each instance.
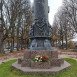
(67, 54)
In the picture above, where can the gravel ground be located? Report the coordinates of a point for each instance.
(11, 56)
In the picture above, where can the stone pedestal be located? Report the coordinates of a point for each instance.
(29, 56)
(27, 66)
(40, 65)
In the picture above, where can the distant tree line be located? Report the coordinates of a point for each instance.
(16, 19)
(65, 23)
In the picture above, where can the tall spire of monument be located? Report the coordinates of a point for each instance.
(41, 9)
(40, 32)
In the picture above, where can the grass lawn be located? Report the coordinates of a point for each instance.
(7, 71)
(3, 55)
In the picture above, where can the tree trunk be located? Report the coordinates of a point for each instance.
(62, 43)
(1, 43)
(18, 26)
(22, 40)
(12, 45)
(18, 38)
(2, 47)
(21, 44)
(17, 44)
(12, 39)
(66, 41)
(8, 45)
(27, 43)
(59, 42)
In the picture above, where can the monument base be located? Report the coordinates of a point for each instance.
(27, 66)
(30, 71)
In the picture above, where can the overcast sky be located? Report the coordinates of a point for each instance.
(54, 5)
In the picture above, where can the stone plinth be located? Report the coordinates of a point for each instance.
(29, 56)
(40, 65)
(30, 71)
(27, 66)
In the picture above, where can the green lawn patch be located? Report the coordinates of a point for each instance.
(74, 50)
(7, 71)
(1, 54)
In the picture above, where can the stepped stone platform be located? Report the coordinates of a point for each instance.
(30, 71)
(27, 66)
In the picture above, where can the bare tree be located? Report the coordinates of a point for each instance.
(12, 15)
(64, 29)
(71, 6)
(3, 30)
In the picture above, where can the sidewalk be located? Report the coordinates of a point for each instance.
(67, 54)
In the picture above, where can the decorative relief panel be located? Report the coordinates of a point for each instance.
(41, 28)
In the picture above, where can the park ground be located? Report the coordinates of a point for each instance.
(17, 54)
(6, 60)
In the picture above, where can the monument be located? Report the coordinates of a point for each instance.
(40, 45)
(41, 31)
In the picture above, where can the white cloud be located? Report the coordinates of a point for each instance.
(31, 1)
(54, 5)
(57, 2)
(51, 17)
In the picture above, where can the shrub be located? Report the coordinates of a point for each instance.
(71, 44)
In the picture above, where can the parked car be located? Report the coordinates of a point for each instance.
(8, 47)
